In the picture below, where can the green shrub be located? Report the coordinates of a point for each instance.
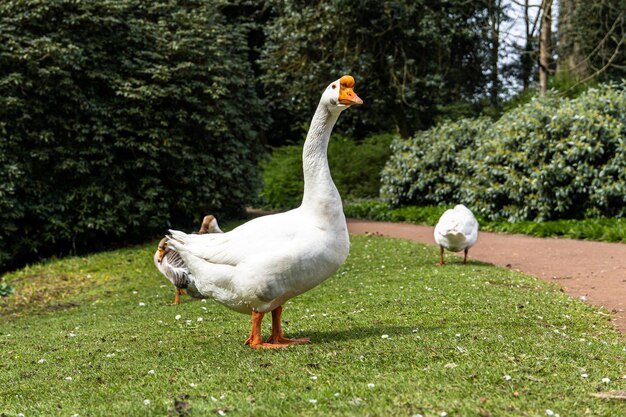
(6, 289)
(119, 118)
(550, 158)
(555, 159)
(283, 180)
(355, 168)
(434, 165)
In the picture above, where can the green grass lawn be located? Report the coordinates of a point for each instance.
(393, 334)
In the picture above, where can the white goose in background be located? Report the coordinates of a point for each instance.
(258, 266)
(171, 265)
(457, 230)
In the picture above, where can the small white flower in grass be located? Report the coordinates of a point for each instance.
(606, 380)
(72, 335)
(356, 401)
(370, 385)
(385, 336)
(146, 402)
(221, 412)
(20, 415)
(461, 349)
(109, 355)
(41, 361)
(417, 415)
(213, 399)
(178, 317)
(458, 335)
(624, 377)
(68, 378)
(199, 319)
(549, 412)
(142, 304)
(204, 308)
(135, 292)
(507, 377)
(151, 372)
(443, 414)
(336, 394)
(314, 378)
(584, 376)
(192, 385)
(75, 415)
(188, 321)
(313, 401)
(203, 300)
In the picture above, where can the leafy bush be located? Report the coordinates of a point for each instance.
(551, 158)
(118, 118)
(434, 165)
(6, 289)
(355, 168)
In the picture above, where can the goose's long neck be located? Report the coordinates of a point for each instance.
(320, 193)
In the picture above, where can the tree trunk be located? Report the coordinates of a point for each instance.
(527, 55)
(571, 59)
(495, 11)
(545, 48)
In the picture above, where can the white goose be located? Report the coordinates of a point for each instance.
(258, 266)
(457, 230)
(171, 265)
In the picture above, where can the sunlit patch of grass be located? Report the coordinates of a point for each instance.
(392, 332)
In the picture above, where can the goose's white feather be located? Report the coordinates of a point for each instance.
(268, 260)
(457, 229)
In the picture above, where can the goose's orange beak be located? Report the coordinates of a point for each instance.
(347, 96)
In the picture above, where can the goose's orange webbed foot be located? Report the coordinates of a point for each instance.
(282, 340)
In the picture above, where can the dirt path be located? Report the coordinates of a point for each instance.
(594, 271)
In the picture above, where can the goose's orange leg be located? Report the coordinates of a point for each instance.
(441, 262)
(465, 257)
(277, 330)
(177, 297)
(255, 340)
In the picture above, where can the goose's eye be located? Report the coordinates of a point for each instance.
(334, 86)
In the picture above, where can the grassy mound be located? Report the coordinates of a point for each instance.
(392, 333)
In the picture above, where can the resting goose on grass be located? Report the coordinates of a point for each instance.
(255, 268)
(457, 230)
(171, 265)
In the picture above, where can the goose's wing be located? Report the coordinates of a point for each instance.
(173, 268)
(468, 224)
(261, 235)
(446, 223)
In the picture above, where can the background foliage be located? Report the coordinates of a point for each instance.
(118, 117)
(355, 169)
(409, 59)
(548, 159)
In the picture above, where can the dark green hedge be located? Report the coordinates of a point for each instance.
(119, 118)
